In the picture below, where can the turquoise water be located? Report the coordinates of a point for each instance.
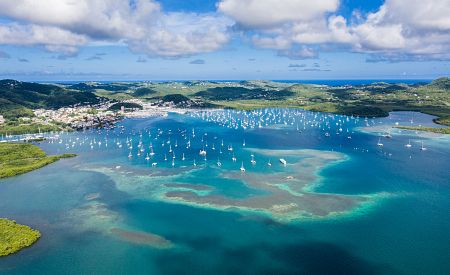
(340, 206)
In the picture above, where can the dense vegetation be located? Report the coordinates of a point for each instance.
(441, 83)
(126, 105)
(93, 86)
(143, 92)
(14, 236)
(19, 158)
(426, 129)
(175, 98)
(17, 128)
(18, 98)
(234, 93)
(12, 111)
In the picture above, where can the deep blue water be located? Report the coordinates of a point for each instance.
(405, 230)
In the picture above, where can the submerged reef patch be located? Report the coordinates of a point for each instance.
(285, 193)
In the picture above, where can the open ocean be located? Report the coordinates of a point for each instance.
(351, 199)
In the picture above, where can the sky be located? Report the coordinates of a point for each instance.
(83, 40)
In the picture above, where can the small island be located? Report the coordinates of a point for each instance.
(14, 236)
(20, 158)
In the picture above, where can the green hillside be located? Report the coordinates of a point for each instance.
(17, 98)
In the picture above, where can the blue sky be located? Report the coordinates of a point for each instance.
(226, 39)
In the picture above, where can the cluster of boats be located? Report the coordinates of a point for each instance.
(301, 119)
(168, 144)
(190, 145)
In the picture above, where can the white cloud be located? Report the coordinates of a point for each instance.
(95, 18)
(140, 24)
(419, 14)
(287, 26)
(338, 30)
(53, 38)
(404, 30)
(375, 36)
(273, 13)
(180, 34)
(399, 30)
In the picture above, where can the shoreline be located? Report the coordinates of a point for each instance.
(442, 130)
(150, 110)
(16, 237)
(30, 157)
(36, 134)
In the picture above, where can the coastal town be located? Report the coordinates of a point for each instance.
(102, 115)
(82, 117)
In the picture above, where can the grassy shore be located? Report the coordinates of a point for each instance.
(425, 129)
(20, 129)
(14, 237)
(19, 158)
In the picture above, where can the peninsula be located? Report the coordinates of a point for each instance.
(19, 158)
(14, 237)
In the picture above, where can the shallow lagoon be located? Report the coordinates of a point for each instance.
(341, 205)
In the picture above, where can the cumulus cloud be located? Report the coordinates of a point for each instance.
(283, 25)
(295, 30)
(298, 29)
(95, 18)
(181, 34)
(52, 38)
(140, 24)
(274, 13)
(399, 30)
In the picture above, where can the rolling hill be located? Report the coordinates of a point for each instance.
(17, 98)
